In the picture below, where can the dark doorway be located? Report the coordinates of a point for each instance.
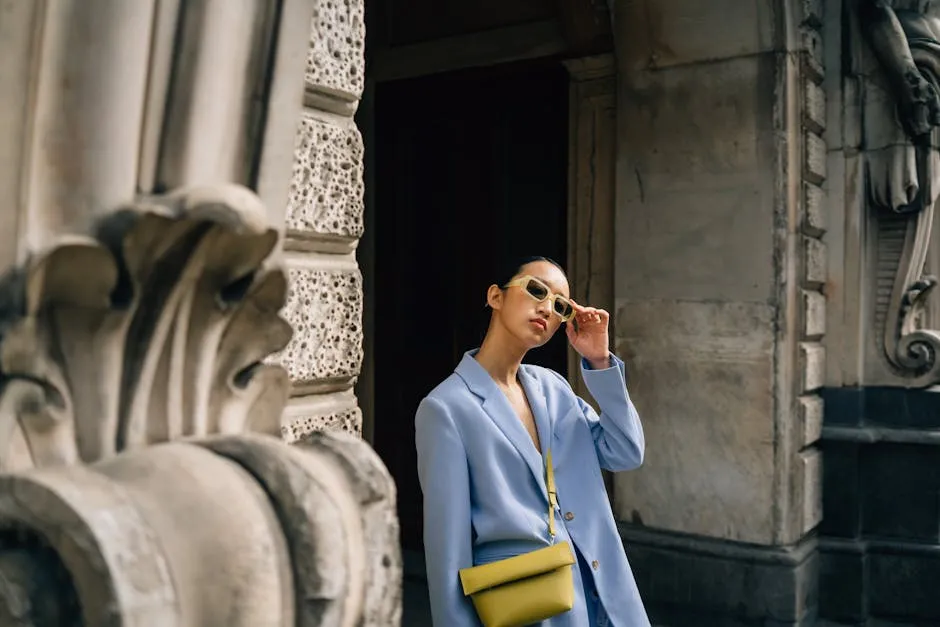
(471, 171)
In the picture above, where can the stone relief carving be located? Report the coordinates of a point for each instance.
(142, 485)
(902, 113)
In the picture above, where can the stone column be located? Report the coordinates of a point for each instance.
(591, 148)
(73, 122)
(718, 279)
(323, 225)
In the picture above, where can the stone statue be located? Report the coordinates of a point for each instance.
(901, 99)
(902, 106)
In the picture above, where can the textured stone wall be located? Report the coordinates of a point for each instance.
(720, 266)
(806, 485)
(719, 283)
(323, 225)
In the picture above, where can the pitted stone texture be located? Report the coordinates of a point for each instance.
(347, 421)
(326, 190)
(324, 307)
(336, 58)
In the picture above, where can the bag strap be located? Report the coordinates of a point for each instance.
(552, 494)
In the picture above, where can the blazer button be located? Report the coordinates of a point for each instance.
(569, 516)
(595, 564)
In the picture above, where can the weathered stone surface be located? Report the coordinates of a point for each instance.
(815, 217)
(813, 366)
(337, 506)
(163, 484)
(814, 314)
(678, 32)
(336, 59)
(701, 375)
(373, 487)
(813, 12)
(816, 158)
(811, 462)
(326, 190)
(694, 141)
(321, 412)
(815, 261)
(324, 306)
(346, 420)
(814, 106)
(704, 582)
(813, 60)
(811, 418)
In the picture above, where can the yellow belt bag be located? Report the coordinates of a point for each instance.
(527, 588)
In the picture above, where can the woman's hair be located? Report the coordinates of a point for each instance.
(507, 272)
(514, 267)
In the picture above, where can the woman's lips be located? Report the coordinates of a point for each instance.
(539, 323)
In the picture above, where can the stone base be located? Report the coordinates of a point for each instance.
(686, 580)
(879, 583)
(880, 535)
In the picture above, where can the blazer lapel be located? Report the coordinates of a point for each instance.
(497, 407)
(543, 421)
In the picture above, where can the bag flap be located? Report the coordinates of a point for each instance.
(541, 561)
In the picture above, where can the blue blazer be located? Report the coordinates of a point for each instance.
(484, 486)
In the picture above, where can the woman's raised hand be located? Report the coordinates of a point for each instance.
(590, 338)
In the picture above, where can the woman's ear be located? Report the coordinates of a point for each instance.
(494, 297)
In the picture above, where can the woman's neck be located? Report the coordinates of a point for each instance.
(500, 356)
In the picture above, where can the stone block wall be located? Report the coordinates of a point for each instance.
(323, 225)
(720, 288)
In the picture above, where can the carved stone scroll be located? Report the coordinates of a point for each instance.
(146, 483)
(903, 166)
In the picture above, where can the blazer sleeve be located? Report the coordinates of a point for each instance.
(445, 481)
(618, 433)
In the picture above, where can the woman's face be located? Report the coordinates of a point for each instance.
(533, 323)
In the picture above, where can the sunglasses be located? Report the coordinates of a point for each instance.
(540, 292)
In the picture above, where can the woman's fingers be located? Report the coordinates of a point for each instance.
(591, 315)
(588, 315)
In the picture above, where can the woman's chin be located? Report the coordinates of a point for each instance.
(535, 339)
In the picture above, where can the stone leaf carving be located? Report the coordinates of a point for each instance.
(902, 112)
(153, 329)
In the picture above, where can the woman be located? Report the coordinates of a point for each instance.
(481, 435)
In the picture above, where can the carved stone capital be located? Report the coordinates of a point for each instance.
(139, 437)
(153, 329)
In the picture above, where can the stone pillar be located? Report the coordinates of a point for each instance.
(718, 280)
(592, 153)
(880, 534)
(323, 225)
(73, 122)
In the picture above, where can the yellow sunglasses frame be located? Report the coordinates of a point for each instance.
(522, 281)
